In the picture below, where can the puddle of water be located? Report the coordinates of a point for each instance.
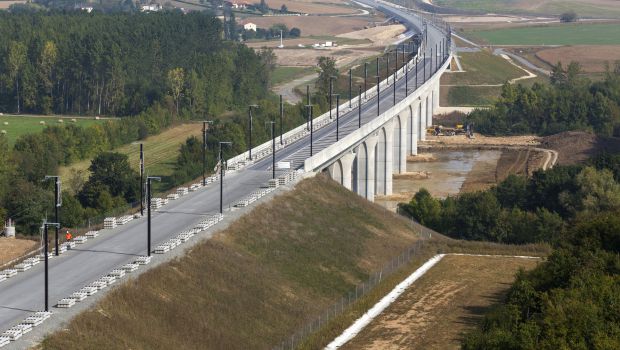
(447, 173)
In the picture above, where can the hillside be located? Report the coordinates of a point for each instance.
(254, 283)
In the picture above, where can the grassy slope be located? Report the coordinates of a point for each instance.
(252, 285)
(565, 34)
(482, 68)
(18, 125)
(160, 152)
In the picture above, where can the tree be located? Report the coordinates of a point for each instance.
(327, 69)
(47, 62)
(295, 32)
(176, 81)
(15, 62)
(569, 16)
(424, 208)
(283, 9)
(110, 172)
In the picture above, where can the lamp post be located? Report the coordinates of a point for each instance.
(331, 94)
(250, 107)
(273, 148)
(365, 78)
(204, 150)
(309, 114)
(281, 120)
(141, 180)
(221, 161)
(148, 211)
(337, 116)
(46, 253)
(378, 96)
(350, 86)
(57, 204)
(359, 108)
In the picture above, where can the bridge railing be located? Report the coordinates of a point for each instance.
(334, 151)
(261, 151)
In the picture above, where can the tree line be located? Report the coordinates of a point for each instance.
(570, 301)
(570, 102)
(118, 64)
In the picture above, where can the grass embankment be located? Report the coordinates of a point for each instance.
(17, 126)
(252, 285)
(450, 299)
(562, 34)
(437, 245)
(160, 152)
(477, 85)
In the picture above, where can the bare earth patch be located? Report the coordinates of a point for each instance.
(314, 7)
(451, 298)
(12, 248)
(314, 25)
(592, 58)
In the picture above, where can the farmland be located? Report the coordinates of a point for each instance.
(160, 152)
(482, 68)
(451, 298)
(564, 34)
(585, 8)
(592, 59)
(16, 126)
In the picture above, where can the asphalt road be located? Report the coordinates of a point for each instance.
(23, 294)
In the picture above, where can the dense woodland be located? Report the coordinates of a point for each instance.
(154, 70)
(572, 301)
(570, 102)
(120, 64)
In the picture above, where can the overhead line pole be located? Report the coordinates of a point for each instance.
(46, 255)
(57, 204)
(221, 161)
(148, 210)
(141, 179)
(204, 151)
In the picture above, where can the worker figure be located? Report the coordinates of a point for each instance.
(68, 236)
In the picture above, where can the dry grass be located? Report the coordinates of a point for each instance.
(315, 25)
(12, 248)
(6, 4)
(449, 300)
(314, 7)
(254, 283)
(591, 58)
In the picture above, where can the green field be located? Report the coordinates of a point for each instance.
(16, 126)
(160, 152)
(482, 68)
(285, 74)
(564, 34)
(584, 8)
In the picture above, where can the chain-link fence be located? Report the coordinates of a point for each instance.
(350, 298)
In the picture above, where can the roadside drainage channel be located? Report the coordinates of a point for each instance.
(88, 295)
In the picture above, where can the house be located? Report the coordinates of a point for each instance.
(87, 9)
(249, 26)
(239, 5)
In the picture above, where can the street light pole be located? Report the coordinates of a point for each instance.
(221, 161)
(57, 204)
(251, 127)
(273, 148)
(204, 151)
(309, 113)
(331, 94)
(46, 253)
(148, 211)
(365, 78)
(350, 86)
(359, 108)
(281, 120)
(378, 96)
(141, 179)
(337, 117)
